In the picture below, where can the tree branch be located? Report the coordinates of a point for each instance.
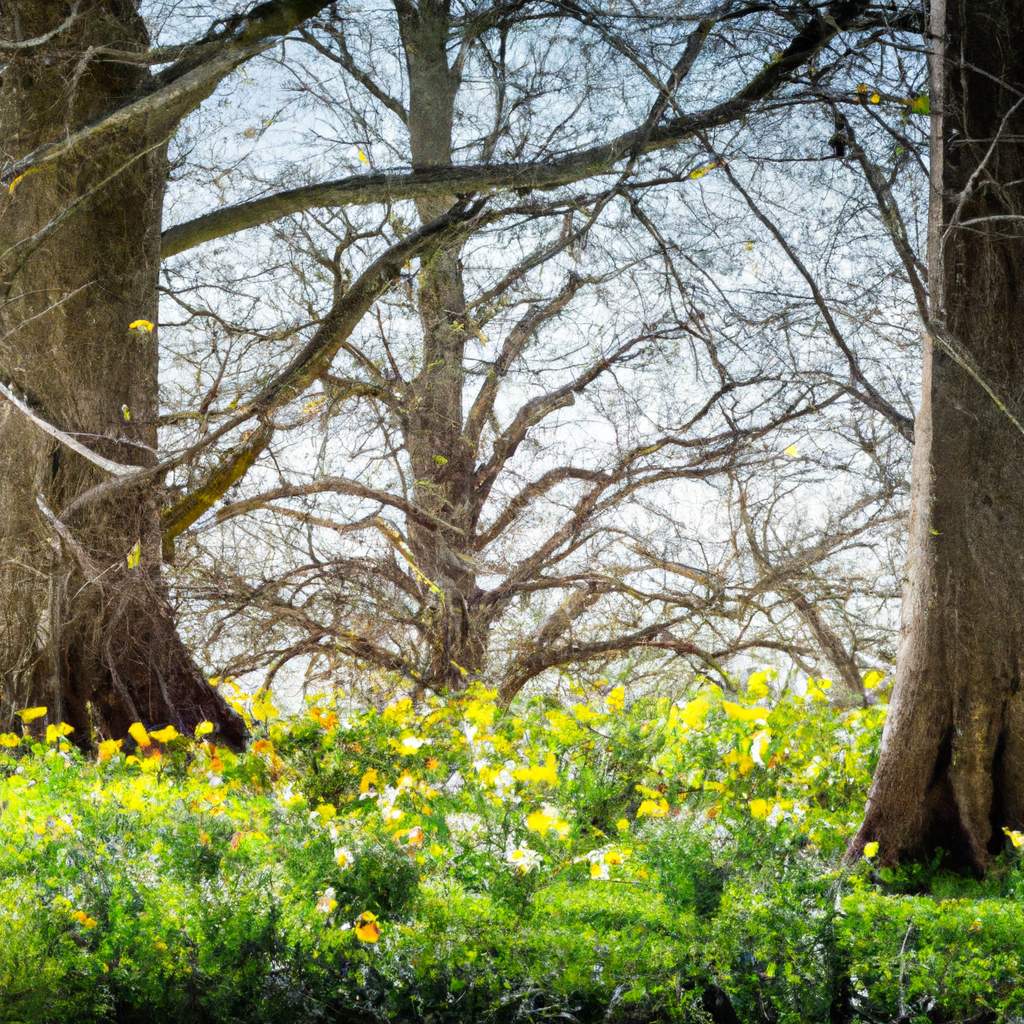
(362, 189)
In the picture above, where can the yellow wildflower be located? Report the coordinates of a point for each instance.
(616, 700)
(547, 820)
(31, 714)
(203, 729)
(165, 735)
(1017, 838)
(108, 748)
(56, 732)
(84, 919)
(757, 684)
(653, 808)
(693, 714)
(872, 679)
(263, 708)
(398, 711)
(545, 774)
(137, 731)
(739, 713)
(142, 326)
(870, 849)
(760, 809)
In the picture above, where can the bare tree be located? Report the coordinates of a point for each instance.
(395, 381)
(464, 530)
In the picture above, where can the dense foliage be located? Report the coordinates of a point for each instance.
(458, 861)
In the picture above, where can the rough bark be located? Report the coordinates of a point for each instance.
(80, 630)
(951, 771)
(443, 462)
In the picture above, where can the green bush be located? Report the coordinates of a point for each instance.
(458, 862)
(925, 959)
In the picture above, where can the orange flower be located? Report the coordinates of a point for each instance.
(367, 929)
(108, 748)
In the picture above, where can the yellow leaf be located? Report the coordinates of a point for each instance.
(142, 326)
(863, 89)
(875, 98)
(126, 414)
(545, 774)
(134, 557)
(791, 451)
(31, 714)
(20, 178)
(817, 689)
(699, 172)
(363, 159)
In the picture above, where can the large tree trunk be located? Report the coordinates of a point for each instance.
(442, 460)
(951, 772)
(80, 630)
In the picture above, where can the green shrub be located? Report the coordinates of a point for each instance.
(459, 862)
(922, 959)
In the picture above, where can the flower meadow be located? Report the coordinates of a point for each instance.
(596, 859)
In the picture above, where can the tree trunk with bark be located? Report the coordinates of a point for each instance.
(81, 630)
(443, 462)
(951, 771)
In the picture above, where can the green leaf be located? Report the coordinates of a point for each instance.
(921, 104)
